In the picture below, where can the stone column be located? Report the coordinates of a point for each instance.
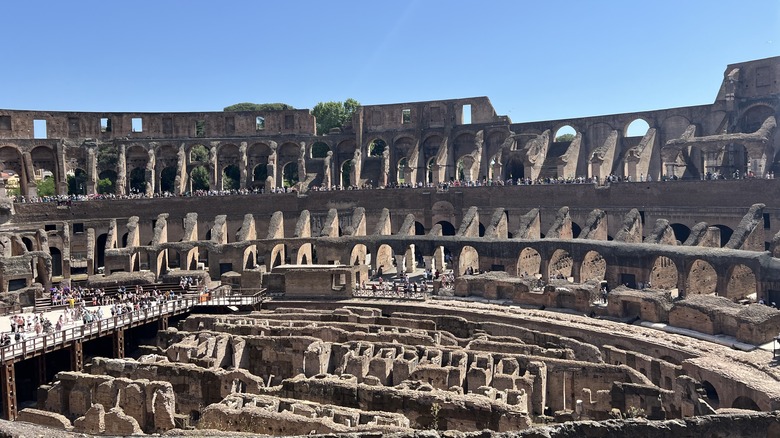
(92, 171)
(121, 171)
(62, 182)
(399, 263)
(242, 164)
(410, 259)
(150, 174)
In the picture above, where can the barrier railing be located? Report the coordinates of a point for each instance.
(44, 342)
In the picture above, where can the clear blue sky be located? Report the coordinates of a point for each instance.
(536, 60)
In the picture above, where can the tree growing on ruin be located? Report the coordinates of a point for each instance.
(248, 106)
(564, 138)
(46, 187)
(333, 114)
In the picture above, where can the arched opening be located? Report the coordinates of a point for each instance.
(742, 282)
(346, 171)
(637, 128)
(681, 232)
(376, 148)
(199, 154)
(565, 134)
(138, 180)
(529, 263)
(249, 258)
(385, 260)
(277, 256)
(100, 251)
(168, 180)
(11, 162)
(304, 254)
(401, 173)
(594, 267)
(560, 265)
(319, 150)
(725, 234)
(45, 163)
(358, 255)
(429, 170)
(464, 169)
(575, 230)
(481, 230)
(77, 182)
(468, 261)
(515, 169)
(735, 159)
(231, 177)
(56, 262)
(663, 274)
(447, 229)
(419, 229)
(702, 279)
(107, 182)
(199, 179)
(290, 174)
(754, 117)
(259, 175)
(28, 245)
(746, 403)
(710, 394)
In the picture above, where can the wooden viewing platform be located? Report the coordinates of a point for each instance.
(73, 338)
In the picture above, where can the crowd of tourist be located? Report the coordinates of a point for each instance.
(441, 186)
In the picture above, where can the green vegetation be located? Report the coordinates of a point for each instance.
(199, 153)
(105, 186)
(333, 114)
(564, 138)
(200, 178)
(248, 106)
(46, 187)
(107, 157)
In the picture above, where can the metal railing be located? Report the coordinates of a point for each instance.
(102, 327)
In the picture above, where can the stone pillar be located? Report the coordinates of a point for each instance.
(682, 279)
(576, 270)
(162, 323)
(40, 365)
(27, 178)
(62, 182)
(121, 171)
(399, 263)
(8, 387)
(150, 174)
(410, 259)
(92, 171)
(438, 259)
(722, 283)
(242, 164)
(118, 341)
(428, 260)
(77, 356)
(544, 269)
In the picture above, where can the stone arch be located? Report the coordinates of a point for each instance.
(358, 255)
(250, 257)
(447, 229)
(754, 116)
(100, 251)
(376, 147)
(566, 130)
(385, 259)
(346, 173)
(742, 282)
(663, 274)
(11, 160)
(468, 260)
(77, 182)
(637, 127)
(290, 174)
(681, 232)
(44, 160)
(702, 278)
(259, 175)
(231, 177)
(305, 256)
(199, 178)
(168, 180)
(529, 262)
(278, 256)
(137, 180)
(401, 170)
(744, 402)
(319, 150)
(430, 177)
(110, 176)
(594, 267)
(560, 264)
(514, 167)
(711, 394)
